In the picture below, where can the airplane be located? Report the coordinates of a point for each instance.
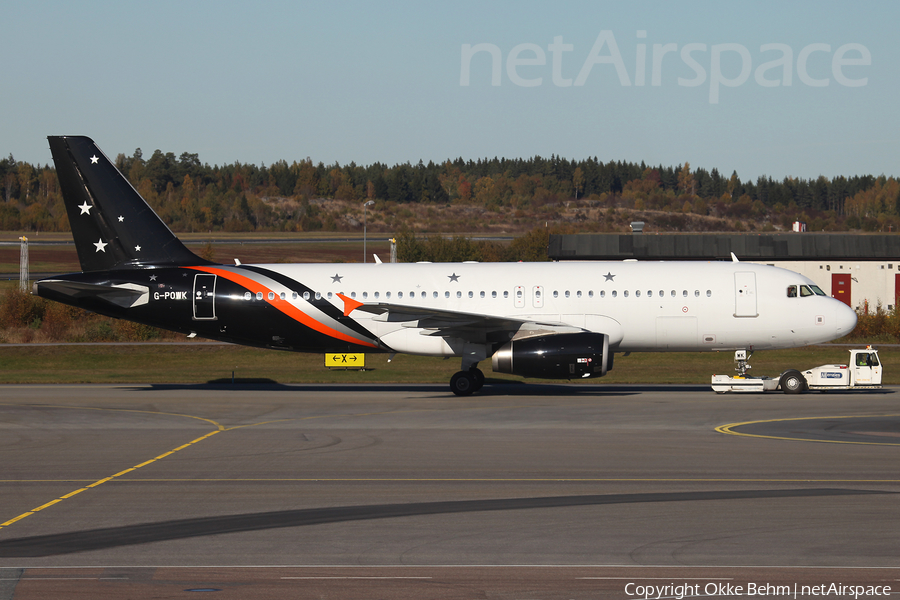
(553, 320)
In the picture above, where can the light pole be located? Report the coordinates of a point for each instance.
(365, 206)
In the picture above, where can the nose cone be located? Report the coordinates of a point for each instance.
(844, 319)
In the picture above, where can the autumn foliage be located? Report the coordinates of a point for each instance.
(193, 196)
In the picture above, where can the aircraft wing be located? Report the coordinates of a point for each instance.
(472, 327)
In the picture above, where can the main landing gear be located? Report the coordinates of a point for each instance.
(466, 383)
(469, 379)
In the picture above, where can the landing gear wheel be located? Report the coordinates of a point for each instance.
(792, 382)
(463, 383)
(478, 377)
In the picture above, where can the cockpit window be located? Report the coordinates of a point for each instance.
(792, 291)
(805, 291)
(817, 290)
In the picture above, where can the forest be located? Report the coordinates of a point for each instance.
(582, 195)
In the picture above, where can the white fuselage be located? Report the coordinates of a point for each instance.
(642, 306)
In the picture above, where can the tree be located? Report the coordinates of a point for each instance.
(578, 181)
(686, 179)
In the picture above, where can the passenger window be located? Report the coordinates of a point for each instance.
(493, 294)
(423, 295)
(603, 293)
(792, 291)
(506, 293)
(684, 293)
(590, 293)
(471, 294)
(387, 295)
(271, 295)
(365, 295)
(375, 295)
(625, 293)
(399, 294)
(578, 294)
(329, 295)
(805, 291)
(433, 294)
(305, 295)
(481, 294)
(319, 295)
(709, 293)
(696, 293)
(555, 294)
(637, 293)
(459, 294)
(282, 295)
(353, 295)
(446, 294)
(673, 293)
(259, 295)
(247, 295)
(615, 293)
(293, 295)
(567, 293)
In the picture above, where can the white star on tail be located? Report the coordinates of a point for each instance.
(137, 248)
(94, 159)
(121, 219)
(101, 245)
(85, 208)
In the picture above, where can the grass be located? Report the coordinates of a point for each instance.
(204, 363)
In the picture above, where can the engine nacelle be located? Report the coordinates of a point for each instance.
(560, 356)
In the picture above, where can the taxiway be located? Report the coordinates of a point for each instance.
(543, 489)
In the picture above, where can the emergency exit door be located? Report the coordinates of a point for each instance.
(840, 287)
(204, 296)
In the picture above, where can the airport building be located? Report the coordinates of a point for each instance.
(855, 268)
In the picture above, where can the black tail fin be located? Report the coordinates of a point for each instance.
(112, 225)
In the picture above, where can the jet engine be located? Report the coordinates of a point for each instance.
(558, 356)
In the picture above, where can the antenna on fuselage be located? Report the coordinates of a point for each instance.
(734, 258)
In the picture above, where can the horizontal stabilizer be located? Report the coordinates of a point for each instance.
(126, 295)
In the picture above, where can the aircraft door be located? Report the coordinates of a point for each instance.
(204, 296)
(745, 294)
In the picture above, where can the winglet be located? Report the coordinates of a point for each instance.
(349, 304)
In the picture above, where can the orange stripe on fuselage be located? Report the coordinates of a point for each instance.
(283, 305)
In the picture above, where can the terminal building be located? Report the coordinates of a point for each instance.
(855, 268)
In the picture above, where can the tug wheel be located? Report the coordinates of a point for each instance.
(792, 382)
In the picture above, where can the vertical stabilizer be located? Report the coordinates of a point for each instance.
(113, 227)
